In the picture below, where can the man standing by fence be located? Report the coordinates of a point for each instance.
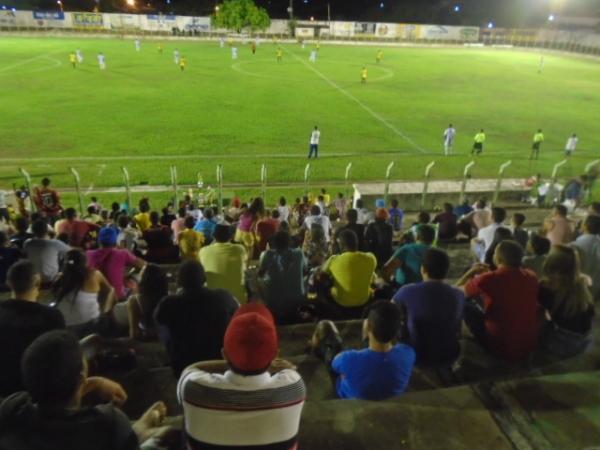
(538, 138)
(314, 143)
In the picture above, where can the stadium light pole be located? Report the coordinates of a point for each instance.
(60, 5)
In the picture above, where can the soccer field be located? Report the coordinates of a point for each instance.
(144, 113)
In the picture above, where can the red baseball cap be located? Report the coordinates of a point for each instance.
(250, 341)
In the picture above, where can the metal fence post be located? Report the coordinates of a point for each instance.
(27, 177)
(78, 189)
(347, 180)
(503, 167)
(220, 188)
(463, 187)
(175, 187)
(263, 182)
(588, 170)
(386, 189)
(555, 170)
(426, 183)
(306, 179)
(127, 187)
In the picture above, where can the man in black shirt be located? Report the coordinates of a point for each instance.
(192, 323)
(49, 415)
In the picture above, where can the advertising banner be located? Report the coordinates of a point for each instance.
(49, 19)
(193, 23)
(407, 31)
(342, 29)
(8, 19)
(87, 20)
(305, 32)
(364, 28)
(448, 33)
(123, 21)
(386, 30)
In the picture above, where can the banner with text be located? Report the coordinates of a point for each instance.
(88, 20)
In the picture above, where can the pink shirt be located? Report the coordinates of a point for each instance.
(112, 262)
(562, 232)
(246, 222)
(178, 225)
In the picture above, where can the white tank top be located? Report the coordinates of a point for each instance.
(79, 309)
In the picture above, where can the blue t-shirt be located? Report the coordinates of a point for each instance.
(369, 375)
(435, 312)
(396, 218)
(206, 227)
(412, 255)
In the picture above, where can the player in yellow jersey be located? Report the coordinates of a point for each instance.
(318, 46)
(363, 75)
(160, 49)
(379, 56)
(73, 59)
(182, 63)
(279, 54)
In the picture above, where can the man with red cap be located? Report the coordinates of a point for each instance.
(250, 400)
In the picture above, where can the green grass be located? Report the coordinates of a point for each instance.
(257, 110)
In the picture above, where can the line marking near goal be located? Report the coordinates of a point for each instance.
(360, 103)
(27, 61)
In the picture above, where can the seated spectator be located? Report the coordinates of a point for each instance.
(251, 400)
(396, 215)
(462, 210)
(315, 246)
(167, 217)
(447, 223)
(284, 210)
(265, 229)
(501, 234)
(82, 294)
(47, 201)
(8, 256)
(44, 253)
(317, 218)
(485, 236)
(351, 273)
(424, 218)
(379, 236)
(94, 203)
(364, 216)
(79, 232)
(434, 312)
(49, 413)
(519, 234)
(92, 216)
(558, 228)
(22, 234)
(178, 225)
(128, 236)
(142, 219)
(588, 248)
(565, 295)
(353, 225)
(153, 287)
(378, 372)
(281, 269)
(192, 323)
(507, 325)
(159, 243)
(112, 261)
(22, 320)
(405, 263)
(190, 240)
(225, 264)
(207, 225)
(538, 247)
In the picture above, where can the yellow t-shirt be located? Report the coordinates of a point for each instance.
(352, 273)
(480, 138)
(364, 73)
(142, 220)
(279, 53)
(538, 137)
(190, 243)
(182, 62)
(224, 264)
(72, 58)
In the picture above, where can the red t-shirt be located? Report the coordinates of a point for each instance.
(265, 229)
(48, 201)
(511, 311)
(78, 232)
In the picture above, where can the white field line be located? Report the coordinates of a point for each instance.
(98, 175)
(361, 104)
(27, 61)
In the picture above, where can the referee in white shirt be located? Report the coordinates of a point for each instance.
(314, 143)
(449, 135)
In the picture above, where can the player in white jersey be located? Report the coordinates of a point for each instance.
(222, 43)
(101, 61)
(449, 135)
(571, 144)
(234, 52)
(176, 56)
(313, 56)
(79, 55)
(315, 136)
(138, 45)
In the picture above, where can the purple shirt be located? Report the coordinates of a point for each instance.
(112, 262)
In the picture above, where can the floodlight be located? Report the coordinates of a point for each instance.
(490, 25)
(551, 17)
(217, 8)
(312, 19)
(457, 8)
(381, 5)
(130, 2)
(3, 7)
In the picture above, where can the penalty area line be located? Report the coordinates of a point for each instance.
(360, 103)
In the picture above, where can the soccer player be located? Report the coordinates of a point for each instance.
(315, 136)
(571, 144)
(160, 49)
(318, 46)
(254, 47)
(73, 59)
(176, 56)
(279, 54)
(79, 55)
(379, 56)
(478, 144)
(449, 135)
(363, 75)
(538, 138)
(541, 66)
(102, 61)
(222, 43)
(234, 53)
(313, 56)
(138, 45)
(182, 63)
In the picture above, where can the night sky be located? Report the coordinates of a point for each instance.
(507, 13)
